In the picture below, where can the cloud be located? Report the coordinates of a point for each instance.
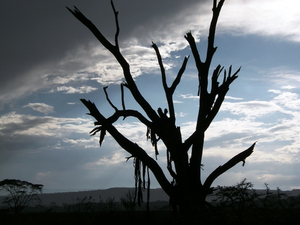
(279, 19)
(135, 131)
(73, 90)
(82, 58)
(189, 96)
(43, 175)
(252, 108)
(71, 50)
(40, 107)
(273, 124)
(89, 143)
(278, 178)
(116, 158)
(282, 77)
(60, 77)
(233, 98)
(288, 100)
(177, 102)
(274, 91)
(73, 58)
(288, 87)
(27, 125)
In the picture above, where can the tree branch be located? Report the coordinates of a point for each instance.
(168, 92)
(127, 113)
(241, 157)
(101, 120)
(119, 57)
(117, 24)
(107, 98)
(212, 31)
(179, 74)
(130, 147)
(162, 69)
(214, 79)
(189, 37)
(92, 28)
(122, 96)
(220, 92)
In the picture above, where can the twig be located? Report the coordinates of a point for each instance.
(107, 98)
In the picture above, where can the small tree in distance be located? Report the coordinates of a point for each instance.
(184, 157)
(21, 193)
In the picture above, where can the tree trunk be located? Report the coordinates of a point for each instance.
(188, 199)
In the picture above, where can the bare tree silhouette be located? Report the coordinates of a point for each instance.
(186, 190)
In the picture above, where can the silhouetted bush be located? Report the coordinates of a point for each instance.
(243, 204)
(85, 204)
(89, 205)
(128, 201)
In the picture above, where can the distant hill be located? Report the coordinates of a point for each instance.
(116, 193)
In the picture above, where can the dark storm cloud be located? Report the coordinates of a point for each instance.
(16, 136)
(32, 35)
(35, 35)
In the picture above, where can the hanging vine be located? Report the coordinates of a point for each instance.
(142, 181)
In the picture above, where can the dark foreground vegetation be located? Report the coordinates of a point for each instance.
(238, 204)
(219, 216)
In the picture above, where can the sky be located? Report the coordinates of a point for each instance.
(49, 60)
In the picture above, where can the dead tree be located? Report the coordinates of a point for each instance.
(186, 189)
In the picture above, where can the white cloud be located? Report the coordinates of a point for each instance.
(288, 87)
(135, 131)
(289, 100)
(189, 96)
(283, 77)
(177, 102)
(233, 98)
(63, 77)
(277, 18)
(116, 158)
(252, 109)
(76, 141)
(73, 90)
(274, 91)
(40, 107)
(91, 142)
